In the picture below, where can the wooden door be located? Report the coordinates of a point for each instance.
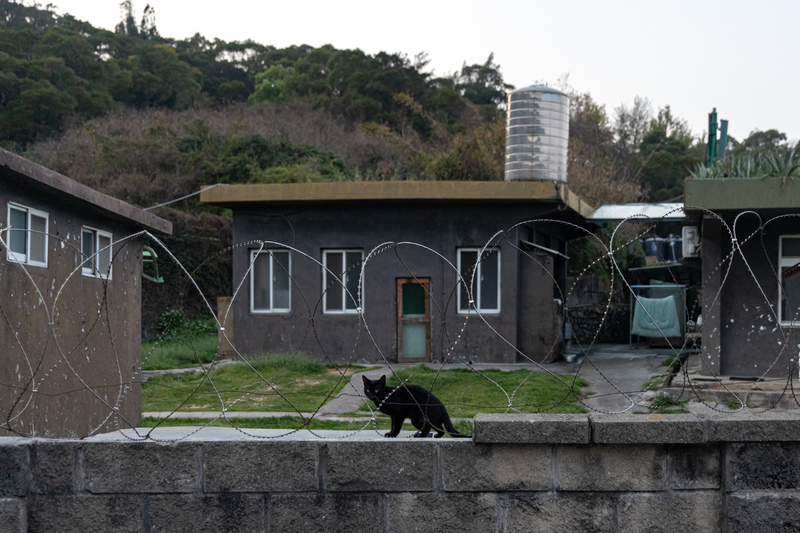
(413, 320)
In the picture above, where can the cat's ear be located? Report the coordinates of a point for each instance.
(382, 381)
(366, 381)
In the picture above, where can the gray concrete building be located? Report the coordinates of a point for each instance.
(401, 271)
(70, 304)
(750, 247)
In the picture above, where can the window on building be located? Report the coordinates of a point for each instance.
(97, 253)
(340, 281)
(789, 279)
(485, 285)
(27, 236)
(270, 281)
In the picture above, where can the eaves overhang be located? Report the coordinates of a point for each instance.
(249, 196)
(44, 180)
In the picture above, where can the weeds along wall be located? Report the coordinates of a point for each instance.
(520, 473)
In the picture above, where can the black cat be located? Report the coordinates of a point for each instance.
(410, 401)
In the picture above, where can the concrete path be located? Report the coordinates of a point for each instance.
(351, 397)
(617, 377)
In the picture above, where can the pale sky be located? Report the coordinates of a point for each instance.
(738, 56)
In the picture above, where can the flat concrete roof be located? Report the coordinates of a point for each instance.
(43, 179)
(394, 191)
(742, 193)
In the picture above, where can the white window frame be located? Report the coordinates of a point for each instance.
(477, 306)
(16, 257)
(782, 263)
(339, 284)
(272, 309)
(89, 267)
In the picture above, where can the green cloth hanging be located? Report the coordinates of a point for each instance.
(656, 317)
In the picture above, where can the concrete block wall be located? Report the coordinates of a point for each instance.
(518, 473)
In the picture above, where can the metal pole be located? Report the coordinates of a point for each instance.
(723, 139)
(711, 147)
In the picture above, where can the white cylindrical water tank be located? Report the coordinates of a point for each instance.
(537, 135)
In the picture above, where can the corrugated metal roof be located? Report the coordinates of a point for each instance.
(619, 212)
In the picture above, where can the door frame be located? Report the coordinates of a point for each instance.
(426, 285)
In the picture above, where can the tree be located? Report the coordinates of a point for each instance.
(147, 27)
(127, 26)
(271, 85)
(40, 109)
(477, 155)
(228, 69)
(761, 141)
(631, 125)
(73, 48)
(588, 124)
(598, 171)
(667, 155)
(157, 77)
(483, 85)
(18, 16)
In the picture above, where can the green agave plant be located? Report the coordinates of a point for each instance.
(780, 163)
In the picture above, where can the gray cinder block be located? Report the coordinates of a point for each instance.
(78, 514)
(337, 512)
(563, 512)
(218, 512)
(260, 466)
(763, 466)
(149, 467)
(54, 467)
(441, 513)
(693, 467)
(648, 429)
(669, 512)
(495, 467)
(764, 511)
(13, 467)
(385, 466)
(611, 467)
(783, 426)
(530, 429)
(13, 515)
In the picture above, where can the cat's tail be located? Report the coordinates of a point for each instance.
(448, 426)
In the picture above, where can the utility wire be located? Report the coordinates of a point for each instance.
(184, 197)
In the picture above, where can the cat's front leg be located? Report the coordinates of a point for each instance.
(397, 423)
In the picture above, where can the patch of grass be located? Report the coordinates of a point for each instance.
(662, 401)
(178, 353)
(664, 405)
(184, 343)
(270, 383)
(466, 393)
(734, 405)
(654, 383)
(674, 364)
